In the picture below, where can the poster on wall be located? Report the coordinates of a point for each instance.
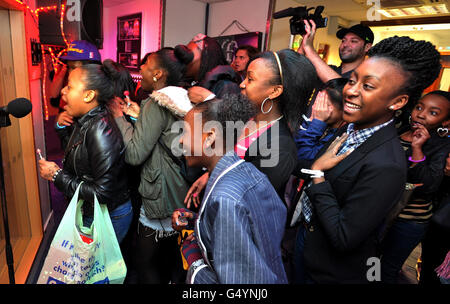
(129, 33)
(230, 43)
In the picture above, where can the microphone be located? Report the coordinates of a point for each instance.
(18, 107)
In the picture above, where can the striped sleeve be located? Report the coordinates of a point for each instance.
(236, 258)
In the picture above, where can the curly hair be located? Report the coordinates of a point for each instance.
(227, 111)
(419, 60)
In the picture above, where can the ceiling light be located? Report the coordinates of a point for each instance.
(427, 10)
(442, 8)
(385, 13)
(398, 12)
(414, 11)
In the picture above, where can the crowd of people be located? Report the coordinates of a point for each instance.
(276, 168)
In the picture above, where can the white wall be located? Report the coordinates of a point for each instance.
(150, 26)
(186, 18)
(252, 14)
(183, 20)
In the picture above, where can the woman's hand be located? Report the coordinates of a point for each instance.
(330, 158)
(321, 109)
(195, 190)
(308, 37)
(180, 218)
(47, 169)
(419, 137)
(198, 94)
(64, 119)
(132, 109)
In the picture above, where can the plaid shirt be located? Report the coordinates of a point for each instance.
(354, 140)
(357, 137)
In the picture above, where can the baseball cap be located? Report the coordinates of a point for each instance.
(362, 31)
(82, 50)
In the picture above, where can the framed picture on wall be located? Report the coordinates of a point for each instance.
(129, 33)
(230, 43)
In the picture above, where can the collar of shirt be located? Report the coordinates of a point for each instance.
(226, 161)
(357, 137)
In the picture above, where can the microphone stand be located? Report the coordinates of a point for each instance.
(5, 122)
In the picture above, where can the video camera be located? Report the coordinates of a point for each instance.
(299, 14)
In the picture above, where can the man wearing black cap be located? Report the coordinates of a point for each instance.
(355, 43)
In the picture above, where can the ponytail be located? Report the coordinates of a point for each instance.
(174, 63)
(109, 79)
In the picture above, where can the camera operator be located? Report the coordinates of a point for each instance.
(355, 43)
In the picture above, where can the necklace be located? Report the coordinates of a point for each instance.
(269, 123)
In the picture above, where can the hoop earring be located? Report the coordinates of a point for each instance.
(262, 106)
(442, 132)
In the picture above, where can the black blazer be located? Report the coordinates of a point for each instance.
(350, 207)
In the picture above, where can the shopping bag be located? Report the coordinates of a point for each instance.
(84, 255)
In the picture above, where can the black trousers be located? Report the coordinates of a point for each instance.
(157, 260)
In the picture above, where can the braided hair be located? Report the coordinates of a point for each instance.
(418, 58)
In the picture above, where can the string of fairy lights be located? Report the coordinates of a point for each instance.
(54, 57)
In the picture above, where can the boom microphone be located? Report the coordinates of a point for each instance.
(18, 107)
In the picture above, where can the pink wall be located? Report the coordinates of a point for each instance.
(150, 26)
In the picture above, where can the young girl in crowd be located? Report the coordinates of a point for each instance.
(94, 154)
(162, 187)
(361, 175)
(241, 221)
(427, 146)
(280, 94)
(325, 120)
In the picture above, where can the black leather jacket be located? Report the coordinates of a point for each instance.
(95, 155)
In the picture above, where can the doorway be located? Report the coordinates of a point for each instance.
(17, 148)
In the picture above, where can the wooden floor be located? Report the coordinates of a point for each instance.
(408, 274)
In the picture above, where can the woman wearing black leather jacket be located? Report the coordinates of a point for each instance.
(94, 154)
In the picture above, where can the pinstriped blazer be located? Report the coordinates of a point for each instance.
(241, 226)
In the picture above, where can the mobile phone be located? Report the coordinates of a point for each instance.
(182, 219)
